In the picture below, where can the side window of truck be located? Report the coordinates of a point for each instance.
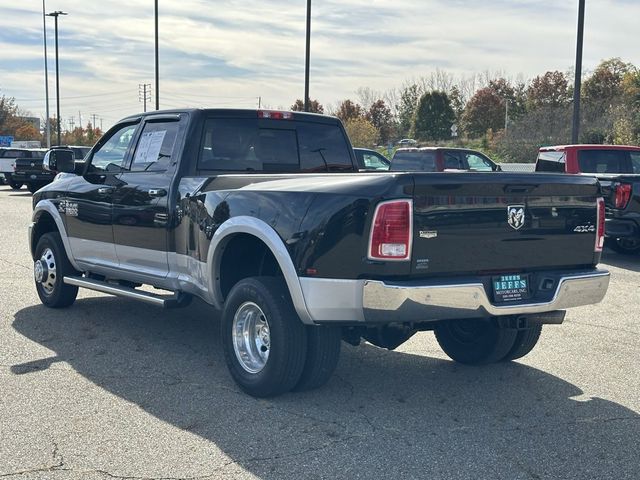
(155, 147)
(478, 163)
(110, 156)
(452, 160)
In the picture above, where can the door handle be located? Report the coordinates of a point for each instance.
(104, 190)
(157, 192)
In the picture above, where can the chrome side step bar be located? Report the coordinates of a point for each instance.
(178, 299)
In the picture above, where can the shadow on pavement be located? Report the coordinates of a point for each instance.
(383, 415)
(628, 262)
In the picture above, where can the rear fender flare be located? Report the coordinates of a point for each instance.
(264, 232)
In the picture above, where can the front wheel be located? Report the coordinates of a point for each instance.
(50, 267)
(475, 341)
(264, 341)
(625, 245)
(14, 185)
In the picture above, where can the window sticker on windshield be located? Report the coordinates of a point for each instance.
(149, 147)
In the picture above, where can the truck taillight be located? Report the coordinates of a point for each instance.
(392, 231)
(623, 194)
(275, 115)
(600, 226)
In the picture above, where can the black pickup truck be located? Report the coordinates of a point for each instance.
(617, 168)
(29, 171)
(265, 216)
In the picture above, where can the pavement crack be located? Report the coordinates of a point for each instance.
(14, 264)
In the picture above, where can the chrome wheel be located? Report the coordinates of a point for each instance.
(251, 337)
(44, 271)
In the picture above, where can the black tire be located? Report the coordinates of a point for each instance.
(14, 185)
(625, 245)
(33, 187)
(287, 337)
(525, 341)
(474, 341)
(53, 292)
(323, 353)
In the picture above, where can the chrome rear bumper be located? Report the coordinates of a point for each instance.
(410, 303)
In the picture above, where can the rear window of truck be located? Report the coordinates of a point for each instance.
(414, 161)
(273, 146)
(607, 161)
(551, 162)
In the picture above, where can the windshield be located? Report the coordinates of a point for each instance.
(608, 161)
(424, 161)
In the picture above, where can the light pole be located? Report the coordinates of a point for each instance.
(575, 131)
(55, 16)
(155, 12)
(306, 65)
(47, 127)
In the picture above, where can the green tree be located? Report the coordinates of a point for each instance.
(314, 106)
(409, 98)
(381, 118)
(484, 111)
(361, 132)
(434, 117)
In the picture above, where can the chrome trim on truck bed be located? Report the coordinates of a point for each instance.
(409, 303)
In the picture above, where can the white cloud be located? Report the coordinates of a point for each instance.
(230, 52)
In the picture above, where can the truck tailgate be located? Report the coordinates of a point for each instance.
(470, 223)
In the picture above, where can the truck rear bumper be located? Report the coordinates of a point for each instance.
(374, 301)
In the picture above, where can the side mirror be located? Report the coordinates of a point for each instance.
(59, 161)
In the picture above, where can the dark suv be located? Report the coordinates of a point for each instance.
(439, 159)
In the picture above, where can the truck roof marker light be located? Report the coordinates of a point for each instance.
(391, 231)
(275, 115)
(600, 226)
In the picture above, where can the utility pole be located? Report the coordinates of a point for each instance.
(79, 118)
(55, 16)
(259, 102)
(575, 131)
(506, 115)
(93, 125)
(144, 94)
(72, 123)
(156, 55)
(101, 125)
(306, 63)
(47, 125)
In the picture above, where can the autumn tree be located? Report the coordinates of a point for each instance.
(361, 132)
(314, 106)
(348, 110)
(434, 117)
(381, 118)
(484, 111)
(550, 89)
(605, 83)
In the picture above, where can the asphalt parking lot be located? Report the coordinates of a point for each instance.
(111, 388)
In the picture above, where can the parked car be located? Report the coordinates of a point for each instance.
(406, 142)
(8, 159)
(439, 159)
(264, 215)
(617, 167)
(370, 160)
(30, 171)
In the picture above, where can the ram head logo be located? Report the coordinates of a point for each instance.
(515, 216)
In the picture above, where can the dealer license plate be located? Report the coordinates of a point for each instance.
(511, 288)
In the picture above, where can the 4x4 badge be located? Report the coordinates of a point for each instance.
(515, 216)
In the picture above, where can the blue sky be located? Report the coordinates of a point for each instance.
(227, 53)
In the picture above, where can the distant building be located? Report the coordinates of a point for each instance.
(35, 121)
